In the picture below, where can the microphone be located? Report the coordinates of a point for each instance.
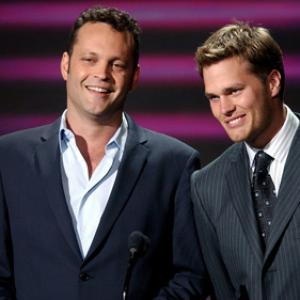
(138, 244)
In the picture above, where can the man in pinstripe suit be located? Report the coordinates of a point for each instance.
(243, 75)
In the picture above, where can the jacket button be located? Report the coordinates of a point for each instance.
(84, 276)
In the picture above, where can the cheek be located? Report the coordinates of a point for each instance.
(214, 107)
(124, 83)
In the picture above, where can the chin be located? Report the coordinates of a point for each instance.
(236, 138)
(237, 134)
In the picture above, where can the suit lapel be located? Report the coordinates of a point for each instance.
(49, 169)
(239, 184)
(134, 158)
(288, 196)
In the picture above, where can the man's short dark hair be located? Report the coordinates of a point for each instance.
(254, 44)
(119, 20)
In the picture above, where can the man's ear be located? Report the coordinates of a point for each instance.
(65, 65)
(135, 78)
(274, 81)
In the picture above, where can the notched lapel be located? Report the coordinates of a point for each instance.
(239, 184)
(135, 157)
(49, 168)
(288, 196)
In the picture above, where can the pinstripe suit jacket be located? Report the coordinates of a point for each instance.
(228, 233)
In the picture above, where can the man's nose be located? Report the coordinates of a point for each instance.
(102, 70)
(227, 105)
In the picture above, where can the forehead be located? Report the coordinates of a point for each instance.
(227, 72)
(100, 33)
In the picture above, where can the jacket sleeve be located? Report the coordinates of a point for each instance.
(6, 272)
(190, 279)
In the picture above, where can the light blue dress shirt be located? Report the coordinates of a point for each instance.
(87, 197)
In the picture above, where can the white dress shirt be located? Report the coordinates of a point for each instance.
(278, 148)
(87, 197)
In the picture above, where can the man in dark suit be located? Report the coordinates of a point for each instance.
(246, 202)
(72, 192)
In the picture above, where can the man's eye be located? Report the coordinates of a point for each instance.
(235, 91)
(118, 66)
(88, 59)
(213, 98)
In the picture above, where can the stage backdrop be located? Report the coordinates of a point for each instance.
(170, 97)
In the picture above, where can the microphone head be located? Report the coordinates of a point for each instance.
(138, 244)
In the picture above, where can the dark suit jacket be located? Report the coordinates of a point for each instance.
(228, 232)
(39, 255)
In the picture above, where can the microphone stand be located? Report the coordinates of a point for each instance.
(130, 264)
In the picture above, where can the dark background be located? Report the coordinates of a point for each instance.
(170, 98)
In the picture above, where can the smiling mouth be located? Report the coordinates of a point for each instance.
(235, 122)
(98, 89)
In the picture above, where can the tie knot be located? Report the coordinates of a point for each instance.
(262, 162)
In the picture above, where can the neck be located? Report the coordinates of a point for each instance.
(91, 139)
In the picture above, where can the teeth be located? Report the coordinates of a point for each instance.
(235, 121)
(97, 89)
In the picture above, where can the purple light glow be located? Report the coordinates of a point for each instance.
(168, 69)
(185, 125)
(193, 126)
(156, 14)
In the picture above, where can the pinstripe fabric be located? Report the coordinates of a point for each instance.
(278, 148)
(228, 232)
